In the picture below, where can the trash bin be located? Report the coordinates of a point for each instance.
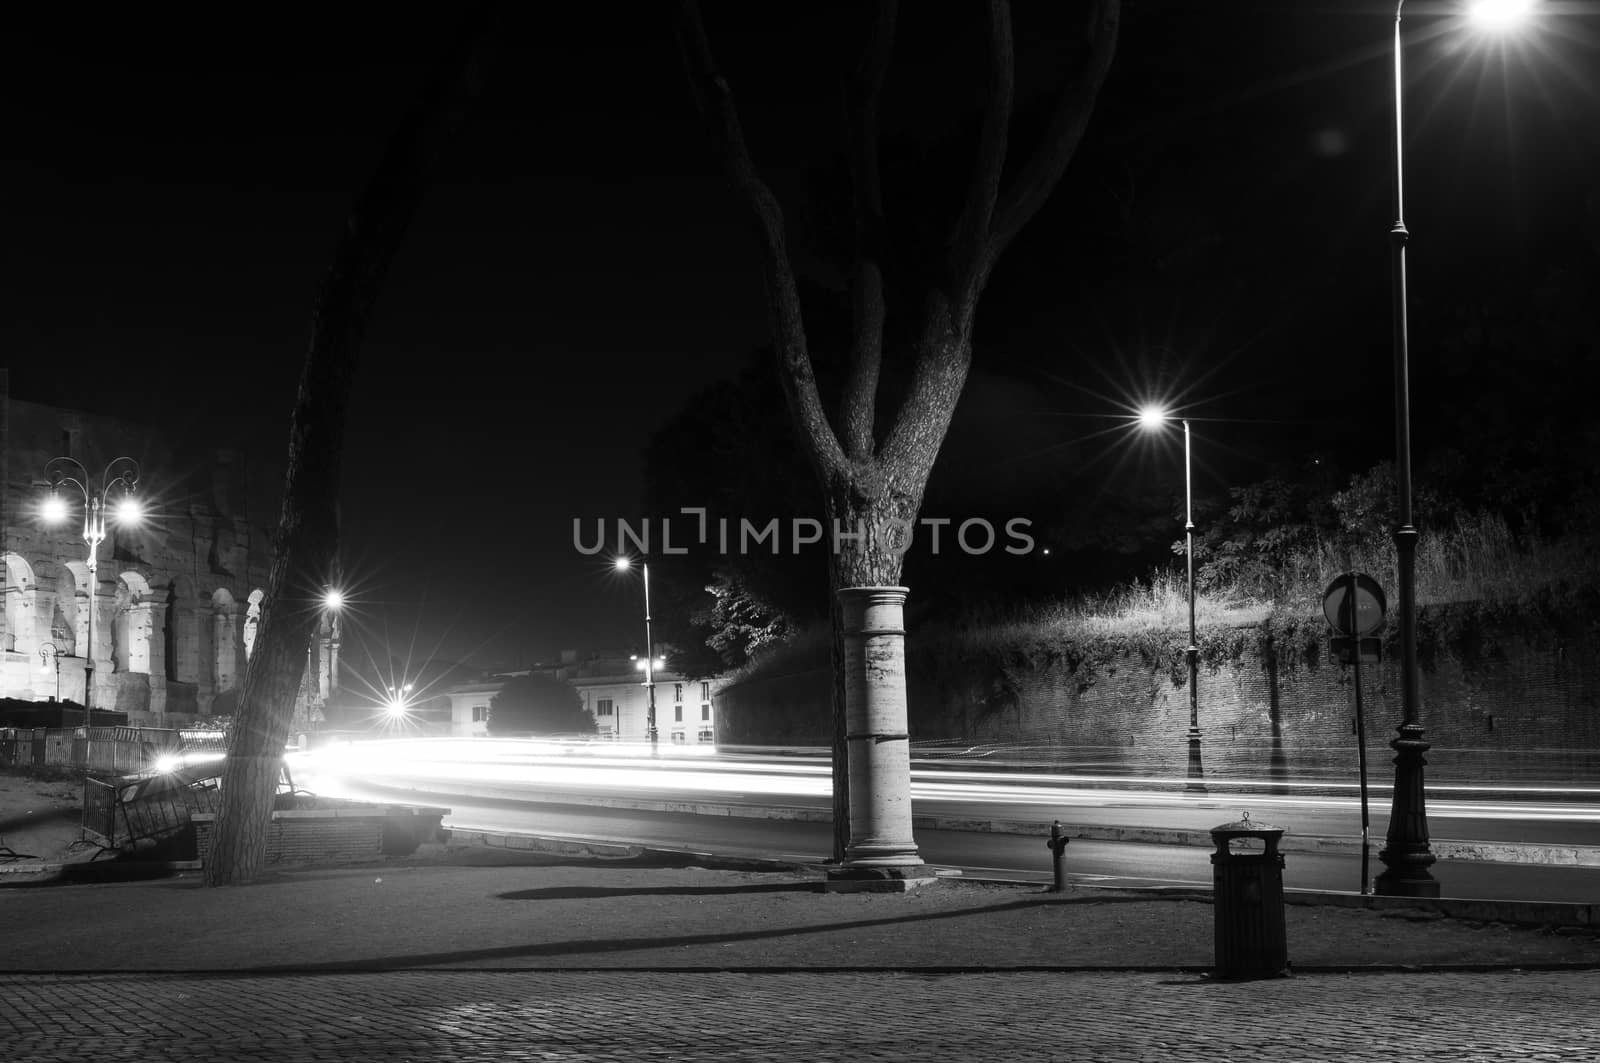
(1247, 898)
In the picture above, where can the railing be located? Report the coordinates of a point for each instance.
(110, 750)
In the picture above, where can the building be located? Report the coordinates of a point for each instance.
(614, 691)
(176, 598)
(469, 706)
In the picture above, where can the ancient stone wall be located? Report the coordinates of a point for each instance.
(1506, 702)
(171, 595)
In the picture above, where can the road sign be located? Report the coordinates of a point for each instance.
(1354, 605)
(1371, 649)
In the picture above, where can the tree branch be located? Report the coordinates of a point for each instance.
(867, 298)
(1033, 185)
(971, 252)
(944, 348)
(715, 102)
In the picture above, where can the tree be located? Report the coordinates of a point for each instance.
(873, 476)
(305, 547)
(539, 704)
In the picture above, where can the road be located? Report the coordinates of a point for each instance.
(523, 788)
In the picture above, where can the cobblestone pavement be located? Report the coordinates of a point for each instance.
(1083, 1017)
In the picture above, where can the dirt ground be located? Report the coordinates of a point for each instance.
(40, 812)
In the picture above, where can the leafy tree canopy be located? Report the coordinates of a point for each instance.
(538, 704)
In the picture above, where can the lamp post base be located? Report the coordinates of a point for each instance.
(1197, 772)
(1406, 853)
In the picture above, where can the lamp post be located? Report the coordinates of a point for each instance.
(120, 473)
(48, 653)
(399, 702)
(1152, 418)
(623, 564)
(1406, 854)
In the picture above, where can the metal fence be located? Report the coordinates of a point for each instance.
(115, 750)
(119, 812)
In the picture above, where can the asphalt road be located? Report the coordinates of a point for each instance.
(775, 823)
(1533, 815)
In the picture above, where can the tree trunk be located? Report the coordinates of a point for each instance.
(873, 481)
(305, 549)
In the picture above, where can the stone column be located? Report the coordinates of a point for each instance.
(881, 844)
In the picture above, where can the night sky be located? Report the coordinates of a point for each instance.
(176, 187)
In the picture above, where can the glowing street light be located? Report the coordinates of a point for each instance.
(1152, 418)
(624, 564)
(1406, 853)
(121, 475)
(399, 702)
(1497, 15)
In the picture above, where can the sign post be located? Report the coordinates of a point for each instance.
(1354, 606)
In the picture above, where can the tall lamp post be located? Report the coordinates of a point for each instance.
(1406, 854)
(623, 564)
(1152, 418)
(120, 477)
(47, 654)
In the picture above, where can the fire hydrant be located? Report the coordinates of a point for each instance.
(1058, 847)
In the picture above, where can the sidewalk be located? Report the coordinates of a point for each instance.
(473, 952)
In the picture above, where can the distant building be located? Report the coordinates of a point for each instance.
(469, 706)
(176, 598)
(614, 691)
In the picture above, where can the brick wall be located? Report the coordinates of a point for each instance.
(312, 836)
(1498, 703)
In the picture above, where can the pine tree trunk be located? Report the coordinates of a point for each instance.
(305, 550)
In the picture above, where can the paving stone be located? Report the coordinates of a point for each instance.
(450, 1015)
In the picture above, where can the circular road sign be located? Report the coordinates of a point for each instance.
(1355, 614)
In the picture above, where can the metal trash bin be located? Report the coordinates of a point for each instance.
(1247, 899)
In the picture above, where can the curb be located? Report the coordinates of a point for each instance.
(1487, 851)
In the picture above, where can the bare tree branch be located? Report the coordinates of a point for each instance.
(987, 226)
(715, 101)
(1033, 185)
(944, 350)
(971, 253)
(867, 295)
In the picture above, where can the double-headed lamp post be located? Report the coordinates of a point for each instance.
(623, 564)
(1406, 854)
(116, 483)
(1152, 418)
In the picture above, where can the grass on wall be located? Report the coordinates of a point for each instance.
(1478, 568)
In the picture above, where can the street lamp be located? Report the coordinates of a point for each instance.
(122, 473)
(48, 653)
(1152, 418)
(399, 702)
(1406, 854)
(623, 564)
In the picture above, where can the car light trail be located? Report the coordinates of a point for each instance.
(598, 768)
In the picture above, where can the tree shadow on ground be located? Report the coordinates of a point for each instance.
(592, 946)
(563, 893)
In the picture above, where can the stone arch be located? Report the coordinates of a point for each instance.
(252, 620)
(134, 631)
(64, 615)
(225, 673)
(78, 598)
(170, 635)
(21, 592)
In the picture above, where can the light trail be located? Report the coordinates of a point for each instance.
(601, 768)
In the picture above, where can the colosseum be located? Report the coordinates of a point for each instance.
(176, 596)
